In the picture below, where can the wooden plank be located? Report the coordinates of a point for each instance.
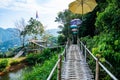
(75, 67)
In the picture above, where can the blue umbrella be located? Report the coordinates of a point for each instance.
(75, 32)
(73, 26)
(75, 22)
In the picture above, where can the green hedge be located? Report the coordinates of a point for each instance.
(3, 64)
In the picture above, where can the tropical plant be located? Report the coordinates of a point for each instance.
(34, 27)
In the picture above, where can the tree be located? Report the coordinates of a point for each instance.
(49, 38)
(34, 27)
(61, 39)
(46, 36)
(21, 25)
(64, 18)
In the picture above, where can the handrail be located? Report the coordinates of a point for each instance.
(58, 62)
(104, 68)
(111, 75)
(51, 73)
(88, 51)
(91, 54)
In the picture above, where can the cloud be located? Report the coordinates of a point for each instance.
(18, 4)
(47, 11)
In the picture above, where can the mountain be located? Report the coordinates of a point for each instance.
(7, 34)
(8, 39)
(53, 32)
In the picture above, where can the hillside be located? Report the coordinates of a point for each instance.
(9, 39)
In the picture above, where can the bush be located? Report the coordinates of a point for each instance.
(31, 58)
(38, 57)
(3, 64)
(45, 62)
(61, 39)
(14, 62)
(107, 46)
(41, 72)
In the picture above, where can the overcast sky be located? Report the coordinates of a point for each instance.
(12, 10)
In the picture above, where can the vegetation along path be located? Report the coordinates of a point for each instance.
(75, 67)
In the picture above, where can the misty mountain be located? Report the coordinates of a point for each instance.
(9, 39)
(7, 34)
(53, 32)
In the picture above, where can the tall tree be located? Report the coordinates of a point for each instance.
(34, 27)
(21, 25)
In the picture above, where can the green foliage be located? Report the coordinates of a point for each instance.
(34, 58)
(3, 64)
(61, 39)
(64, 18)
(14, 62)
(107, 46)
(109, 20)
(44, 62)
(34, 27)
(41, 71)
(108, 25)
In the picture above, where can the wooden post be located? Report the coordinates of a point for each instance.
(59, 68)
(81, 48)
(97, 69)
(85, 53)
(65, 54)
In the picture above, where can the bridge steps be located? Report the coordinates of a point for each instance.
(75, 67)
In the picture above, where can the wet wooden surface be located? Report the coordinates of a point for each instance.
(75, 67)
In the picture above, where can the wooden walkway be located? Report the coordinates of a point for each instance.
(75, 67)
(19, 54)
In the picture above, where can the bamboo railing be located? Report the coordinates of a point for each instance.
(98, 63)
(58, 63)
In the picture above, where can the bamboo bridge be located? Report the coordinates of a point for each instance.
(74, 65)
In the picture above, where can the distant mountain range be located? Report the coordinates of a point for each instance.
(53, 32)
(8, 38)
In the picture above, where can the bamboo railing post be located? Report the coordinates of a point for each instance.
(85, 54)
(81, 46)
(97, 68)
(59, 68)
(65, 54)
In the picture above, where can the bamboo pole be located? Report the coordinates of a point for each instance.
(85, 54)
(59, 68)
(97, 69)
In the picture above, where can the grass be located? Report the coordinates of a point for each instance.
(12, 61)
(42, 71)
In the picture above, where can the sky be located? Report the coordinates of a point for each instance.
(13, 10)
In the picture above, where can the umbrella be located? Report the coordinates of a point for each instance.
(82, 6)
(73, 26)
(74, 30)
(75, 22)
